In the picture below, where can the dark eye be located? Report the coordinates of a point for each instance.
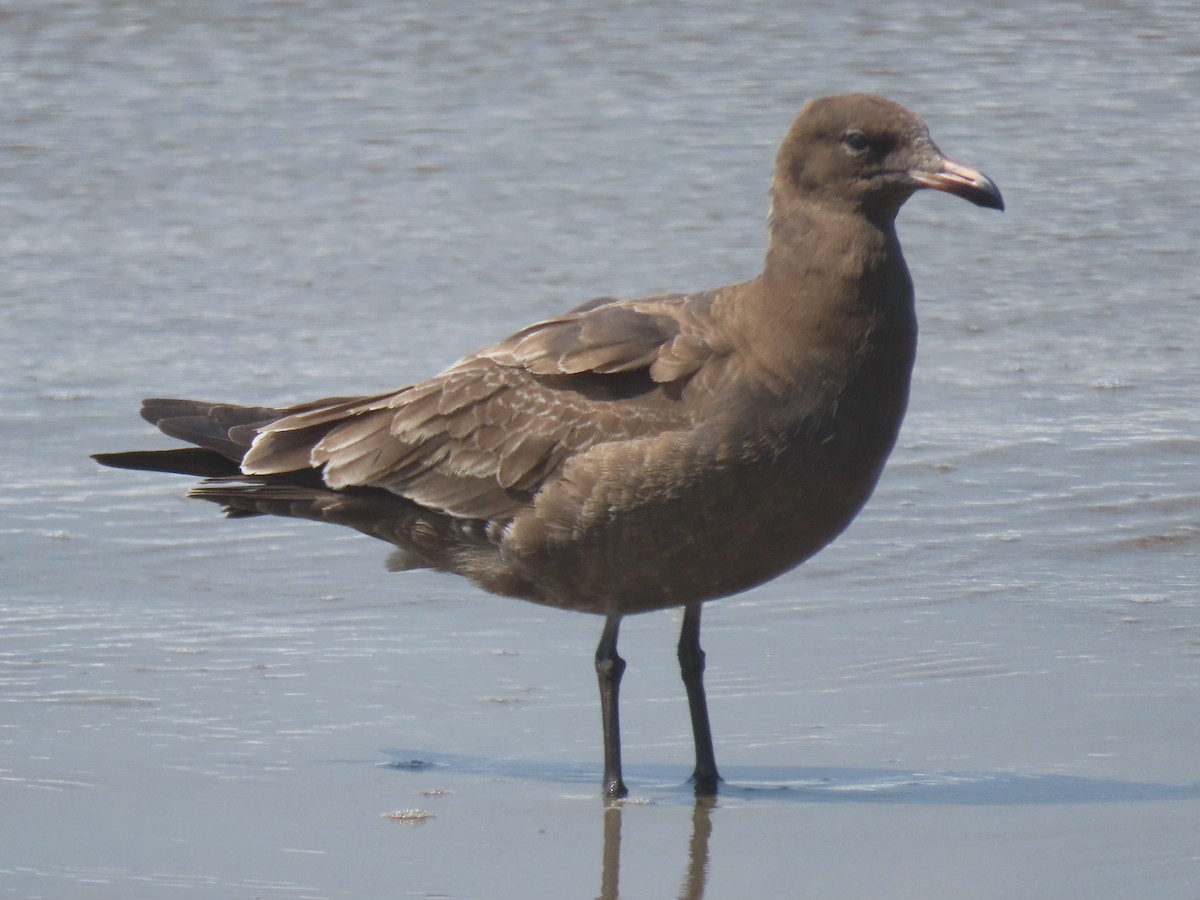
(856, 142)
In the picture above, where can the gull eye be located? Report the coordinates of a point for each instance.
(856, 142)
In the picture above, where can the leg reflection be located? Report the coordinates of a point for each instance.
(610, 877)
(695, 875)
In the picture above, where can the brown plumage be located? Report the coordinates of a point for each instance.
(633, 455)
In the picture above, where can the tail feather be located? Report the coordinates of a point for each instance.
(372, 512)
(223, 433)
(224, 428)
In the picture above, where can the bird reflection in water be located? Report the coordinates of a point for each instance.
(695, 875)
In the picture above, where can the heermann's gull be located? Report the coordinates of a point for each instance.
(632, 455)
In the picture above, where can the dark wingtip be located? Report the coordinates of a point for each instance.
(113, 460)
(194, 461)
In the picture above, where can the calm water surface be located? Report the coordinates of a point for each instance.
(990, 687)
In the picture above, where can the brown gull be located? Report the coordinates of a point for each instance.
(632, 455)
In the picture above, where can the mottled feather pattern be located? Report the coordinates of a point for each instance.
(481, 438)
(618, 336)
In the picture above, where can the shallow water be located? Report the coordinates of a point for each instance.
(987, 688)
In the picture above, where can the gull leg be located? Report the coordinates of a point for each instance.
(691, 667)
(609, 669)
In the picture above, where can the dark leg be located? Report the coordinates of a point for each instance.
(691, 667)
(609, 669)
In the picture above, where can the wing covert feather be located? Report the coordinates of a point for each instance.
(481, 438)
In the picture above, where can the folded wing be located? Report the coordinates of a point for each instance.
(480, 439)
